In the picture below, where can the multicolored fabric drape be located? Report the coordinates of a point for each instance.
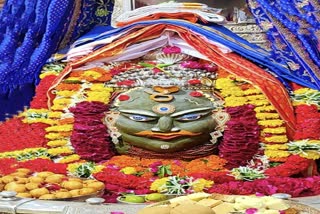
(244, 62)
(294, 31)
(32, 30)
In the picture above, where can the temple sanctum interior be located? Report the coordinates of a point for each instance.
(160, 107)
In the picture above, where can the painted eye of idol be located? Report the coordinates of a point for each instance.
(190, 117)
(140, 118)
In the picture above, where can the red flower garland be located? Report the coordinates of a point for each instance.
(89, 137)
(16, 135)
(118, 182)
(308, 122)
(297, 187)
(241, 136)
(293, 166)
(9, 165)
(40, 100)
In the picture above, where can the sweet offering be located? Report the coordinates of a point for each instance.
(48, 185)
(220, 204)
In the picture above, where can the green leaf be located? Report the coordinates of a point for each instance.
(147, 65)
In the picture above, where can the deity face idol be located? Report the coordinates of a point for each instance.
(165, 123)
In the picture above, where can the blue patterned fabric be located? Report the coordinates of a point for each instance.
(213, 32)
(30, 32)
(293, 28)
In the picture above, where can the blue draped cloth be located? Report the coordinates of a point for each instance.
(293, 28)
(216, 33)
(30, 32)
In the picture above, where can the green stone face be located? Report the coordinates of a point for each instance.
(182, 123)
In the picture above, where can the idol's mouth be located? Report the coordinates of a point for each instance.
(167, 136)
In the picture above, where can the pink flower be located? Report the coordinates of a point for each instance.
(171, 50)
(251, 211)
(155, 166)
(210, 67)
(191, 64)
(258, 194)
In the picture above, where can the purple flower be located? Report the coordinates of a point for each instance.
(182, 181)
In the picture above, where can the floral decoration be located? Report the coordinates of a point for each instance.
(241, 137)
(171, 50)
(89, 137)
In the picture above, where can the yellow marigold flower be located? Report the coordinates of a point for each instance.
(98, 96)
(200, 184)
(278, 130)
(62, 128)
(256, 97)
(59, 151)
(235, 101)
(276, 154)
(159, 185)
(314, 155)
(232, 91)
(251, 91)
(38, 120)
(73, 79)
(57, 143)
(129, 170)
(61, 101)
(65, 93)
(224, 83)
(98, 168)
(270, 123)
(48, 73)
(73, 167)
(93, 74)
(55, 114)
(69, 159)
(314, 141)
(259, 102)
(277, 139)
(276, 147)
(100, 87)
(263, 116)
(53, 136)
(297, 103)
(264, 108)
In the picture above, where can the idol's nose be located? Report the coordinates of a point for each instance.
(165, 124)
